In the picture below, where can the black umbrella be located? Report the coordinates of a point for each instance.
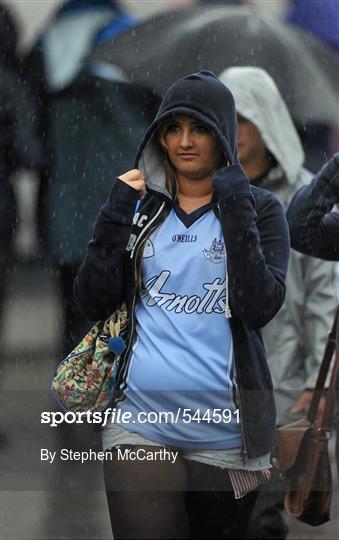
(165, 47)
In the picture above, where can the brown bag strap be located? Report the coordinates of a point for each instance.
(326, 420)
(323, 371)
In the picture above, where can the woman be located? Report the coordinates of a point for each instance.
(201, 266)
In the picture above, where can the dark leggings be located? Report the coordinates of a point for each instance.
(185, 499)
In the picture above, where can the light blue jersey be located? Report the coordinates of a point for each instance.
(182, 360)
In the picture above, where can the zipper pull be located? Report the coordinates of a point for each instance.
(244, 457)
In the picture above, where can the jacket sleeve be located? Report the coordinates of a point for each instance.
(99, 284)
(257, 248)
(314, 228)
(318, 313)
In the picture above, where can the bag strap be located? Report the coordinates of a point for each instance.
(326, 420)
(323, 371)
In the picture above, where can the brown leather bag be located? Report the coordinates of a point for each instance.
(303, 453)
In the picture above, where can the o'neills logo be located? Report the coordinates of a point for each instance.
(213, 301)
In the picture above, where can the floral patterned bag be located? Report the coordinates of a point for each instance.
(85, 379)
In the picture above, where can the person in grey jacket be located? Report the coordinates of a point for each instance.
(272, 156)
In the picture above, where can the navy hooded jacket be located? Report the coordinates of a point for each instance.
(256, 240)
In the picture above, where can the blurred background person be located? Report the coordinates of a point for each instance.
(19, 142)
(271, 154)
(57, 55)
(94, 128)
(79, 135)
(19, 148)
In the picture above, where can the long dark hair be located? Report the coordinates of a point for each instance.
(171, 185)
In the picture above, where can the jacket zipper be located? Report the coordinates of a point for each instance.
(145, 229)
(135, 294)
(244, 453)
(228, 313)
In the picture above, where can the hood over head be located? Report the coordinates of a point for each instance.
(202, 96)
(258, 99)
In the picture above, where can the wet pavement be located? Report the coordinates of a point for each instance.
(63, 500)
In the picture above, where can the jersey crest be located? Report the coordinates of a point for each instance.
(216, 253)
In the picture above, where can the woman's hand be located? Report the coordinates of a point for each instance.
(136, 180)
